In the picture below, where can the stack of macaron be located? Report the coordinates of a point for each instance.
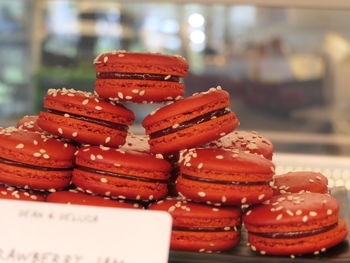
(191, 162)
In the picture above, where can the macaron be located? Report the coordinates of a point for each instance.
(29, 123)
(249, 141)
(295, 224)
(79, 198)
(122, 174)
(34, 160)
(85, 118)
(190, 122)
(300, 182)
(139, 77)
(223, 177)
(199, 227)
(10, 192)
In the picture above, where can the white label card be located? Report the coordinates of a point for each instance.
(33, 232)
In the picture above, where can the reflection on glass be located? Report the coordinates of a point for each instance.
(286, 68)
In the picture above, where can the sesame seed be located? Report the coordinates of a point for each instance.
(171, 209)
(216, 209)
(261, 196)
(304, 219)
(175, 125)
(244, 200)
(34, 197)
(311, 181)
(35, 142)
(103, 180)
(292, 256)
(65, 145)
(262, 252)
(200, 165)
(117, 164)
(142, 92)
(128, 97)
(316, 252)
(66, 115)
(85, 102)
(108, 139)
(167, 77)
(289, 212)
(227, 228)
(3, 192)
(120, 95)
(298, 212)
(75, 134)
(223, 199)
(249, 212)
(278, 208)
(219, 157)
(201, 194)
(99, 156)
(159, 156)
(253, 248)
(20, 146)
(93, 157)
(279, 217)
(323, 249)
(318, 178)
(121, 55)
(46, 156)
(202, 250)
(313, 213)
(42, 151)
(37, 154)
(188, 164)
(105, 59)
(60, 130)
(150, 197)
(329, 212)
(135, 91)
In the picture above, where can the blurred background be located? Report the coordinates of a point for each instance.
(287, 68)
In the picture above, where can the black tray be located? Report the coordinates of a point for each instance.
(243, 254)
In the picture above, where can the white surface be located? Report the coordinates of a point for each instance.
(337, 169)
(55, 233)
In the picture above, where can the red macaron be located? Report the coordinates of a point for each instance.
(34, 160)
(79, 198)
(29, 123)
(10, 192)
(300, 182)
(190, 122)
(249, 141)
(121, 174)
(295, 224)
(139, 77)
(199, 227)
(218, 176)
(85, 118)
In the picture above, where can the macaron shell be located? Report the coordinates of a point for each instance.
(138, 91)
(204, 241)
(87, 104)
(249, 141)
(195, 135)
(8, 192)
(295, 182)
(29, 123)
(35, 149)
(222, 194)
(281, 213)
(81, 131)
(118, 187)
(34, 178)
(78, 198)
(310, 244)
(134, 62)
(185, 109)
(188, 214)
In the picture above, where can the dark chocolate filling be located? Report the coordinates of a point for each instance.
(194, 178)
(296, 234)
(24, 165)
(142, 76)
(123, 176)
(112, 125)
(198, 120)
(206, 229)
